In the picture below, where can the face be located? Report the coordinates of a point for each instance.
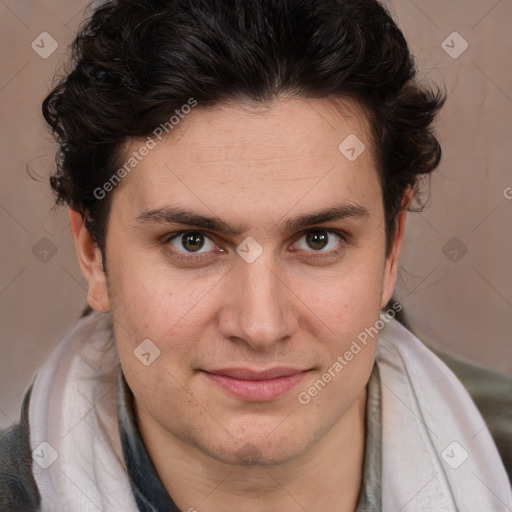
(251, 252)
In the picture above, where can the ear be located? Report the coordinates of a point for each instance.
(392, 260)
(91, 265)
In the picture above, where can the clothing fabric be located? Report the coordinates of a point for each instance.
(73, 411)
(437, 453)
(18, 489)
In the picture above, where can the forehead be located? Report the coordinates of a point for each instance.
(240, 153)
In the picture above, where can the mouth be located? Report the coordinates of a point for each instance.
(256, 385)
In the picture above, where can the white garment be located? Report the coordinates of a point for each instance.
(437, 453)
(429, 426)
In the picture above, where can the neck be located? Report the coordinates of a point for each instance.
(327, 476)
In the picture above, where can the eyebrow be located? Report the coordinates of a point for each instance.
(177, 215)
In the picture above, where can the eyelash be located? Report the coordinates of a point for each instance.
(191, 257)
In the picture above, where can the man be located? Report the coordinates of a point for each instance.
(238, 176)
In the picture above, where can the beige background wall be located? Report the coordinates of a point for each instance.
(455, 276)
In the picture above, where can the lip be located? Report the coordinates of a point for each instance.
(255, 385)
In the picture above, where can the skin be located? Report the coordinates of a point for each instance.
(294, 306)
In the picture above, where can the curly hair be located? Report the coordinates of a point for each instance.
(134, 62)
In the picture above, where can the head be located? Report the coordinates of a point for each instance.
(238, 175)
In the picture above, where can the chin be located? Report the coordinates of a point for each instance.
(255, 451)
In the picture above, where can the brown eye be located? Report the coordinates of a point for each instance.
(191, 242)
(323, 241)
(317, 240)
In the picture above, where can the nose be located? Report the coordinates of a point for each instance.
(261, 311)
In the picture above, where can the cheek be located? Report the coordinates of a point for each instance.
(349, 315)
(348, 297)
(348, 306)
(150, 298)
